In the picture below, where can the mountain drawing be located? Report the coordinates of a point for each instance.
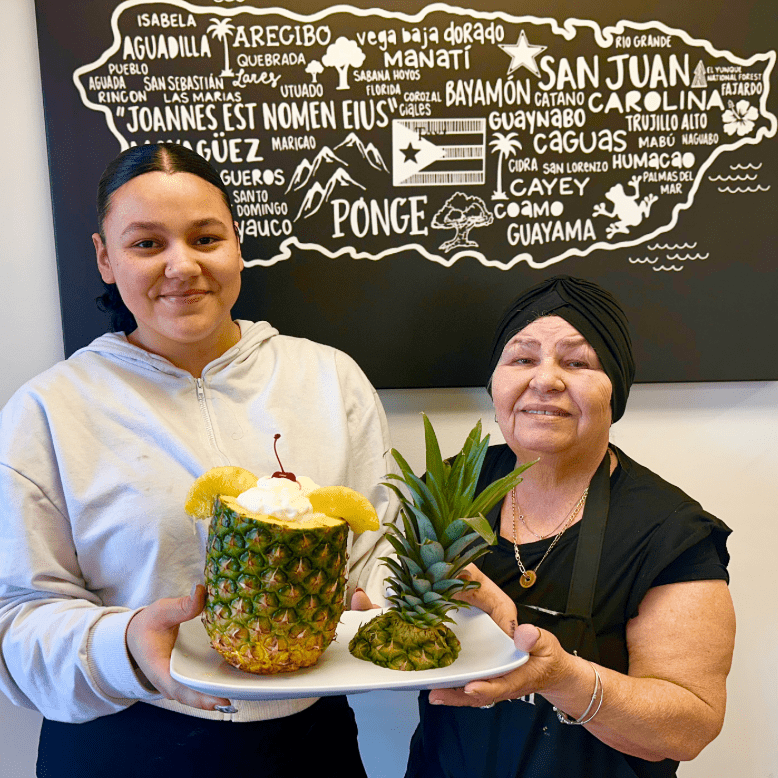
(317, 194)
(370, 153)
(307, 170)
(318, 181)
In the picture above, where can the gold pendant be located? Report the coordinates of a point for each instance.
(528, 579)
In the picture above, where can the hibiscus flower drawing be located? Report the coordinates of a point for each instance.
(739, 118)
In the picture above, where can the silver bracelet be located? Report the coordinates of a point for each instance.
(582, 719)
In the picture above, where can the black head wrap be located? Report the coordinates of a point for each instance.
(592, 311)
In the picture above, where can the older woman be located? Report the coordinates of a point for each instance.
(618, 577)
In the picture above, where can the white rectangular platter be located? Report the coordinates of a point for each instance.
(486, 652)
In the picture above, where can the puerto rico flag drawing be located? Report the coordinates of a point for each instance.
(438, 152)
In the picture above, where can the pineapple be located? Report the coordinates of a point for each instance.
(444, 530)
(275, 589)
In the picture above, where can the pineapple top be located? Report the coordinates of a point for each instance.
(339, 502)
(311, 520)
(444, 528)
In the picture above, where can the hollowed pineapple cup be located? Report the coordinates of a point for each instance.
(275, 589)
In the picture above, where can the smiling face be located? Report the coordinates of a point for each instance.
(551, 395)
(170, 247)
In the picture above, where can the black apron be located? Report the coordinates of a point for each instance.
(524, 738)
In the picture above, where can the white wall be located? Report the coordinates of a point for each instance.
(30, 330)
(717, 441)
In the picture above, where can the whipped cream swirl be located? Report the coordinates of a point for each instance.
(281, 498)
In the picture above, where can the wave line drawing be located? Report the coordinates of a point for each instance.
(639, 261)
(688, 256)
(668, 247)
(742, 189)
(676, 268)
(733, 178)
(747, 166)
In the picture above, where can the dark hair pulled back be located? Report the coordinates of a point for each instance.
(131, 163)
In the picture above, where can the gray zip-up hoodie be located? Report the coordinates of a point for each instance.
(97, 455)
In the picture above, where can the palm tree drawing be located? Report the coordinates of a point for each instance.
(220, 29)
(507, 146)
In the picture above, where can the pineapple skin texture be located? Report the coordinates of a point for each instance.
(389, 641)
(275, 591)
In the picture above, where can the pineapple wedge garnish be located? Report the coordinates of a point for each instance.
(231, 481)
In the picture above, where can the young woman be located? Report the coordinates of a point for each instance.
(99, 564)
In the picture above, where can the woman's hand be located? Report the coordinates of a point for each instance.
(150, 637)
(671, 703)
(548, 664)
(361, 602)
(489, 598)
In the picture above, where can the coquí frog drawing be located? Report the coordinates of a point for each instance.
(627, 211)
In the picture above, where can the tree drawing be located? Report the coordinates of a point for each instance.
(506, 146)
(461, 213)
(313, 68)
(220, 29)
(342, 55)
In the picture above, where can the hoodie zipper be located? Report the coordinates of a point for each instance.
(207, 417)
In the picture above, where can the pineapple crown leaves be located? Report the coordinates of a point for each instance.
(442, 507)
(444, 528)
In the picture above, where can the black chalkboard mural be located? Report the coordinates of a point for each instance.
(400, 173)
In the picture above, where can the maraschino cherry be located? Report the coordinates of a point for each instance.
(281, 473)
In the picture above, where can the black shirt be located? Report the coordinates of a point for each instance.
(655, 535)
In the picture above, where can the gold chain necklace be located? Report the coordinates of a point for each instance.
(528, 577)
(526, 526)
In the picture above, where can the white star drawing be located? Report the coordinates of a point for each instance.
(522, 54)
